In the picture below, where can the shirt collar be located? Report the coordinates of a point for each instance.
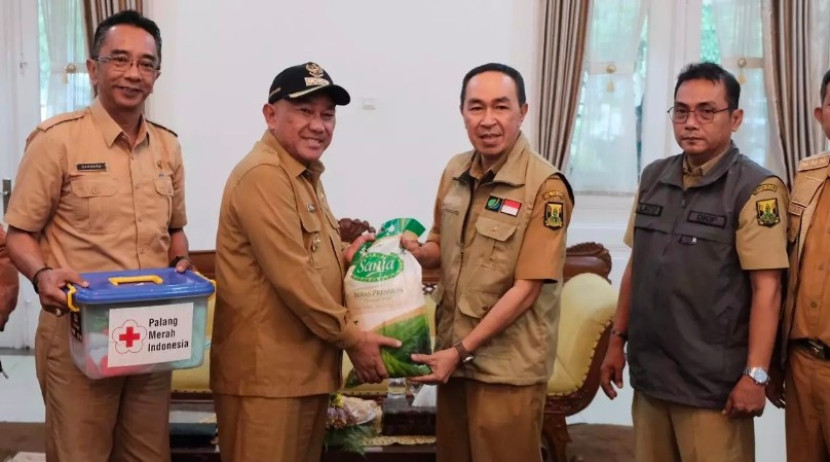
(293, 166)
(701, 170)
(110, 128)
(510, 168)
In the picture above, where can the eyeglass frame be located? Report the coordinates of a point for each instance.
(672, 110)
(123, 63)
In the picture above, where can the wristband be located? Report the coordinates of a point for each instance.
(35, 276)
(621, 334)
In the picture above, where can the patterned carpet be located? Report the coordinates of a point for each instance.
(591, 443)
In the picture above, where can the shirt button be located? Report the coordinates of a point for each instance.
(141, 251)
(813, 304)
(140, 219)
(95, 190)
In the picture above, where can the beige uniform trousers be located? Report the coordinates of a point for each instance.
(808, 408)
(484, 422)
(669, 432)
(258, 429)
(119, 419)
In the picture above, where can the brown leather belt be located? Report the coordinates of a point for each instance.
(816, 348)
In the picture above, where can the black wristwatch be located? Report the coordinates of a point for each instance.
(464, 356)
(35, 276)
(175, 261)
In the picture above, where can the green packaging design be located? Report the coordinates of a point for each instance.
(384, 294)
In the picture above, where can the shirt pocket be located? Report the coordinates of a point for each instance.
(334, 237)
(312, 241)
(90, 204)
(161, 201)
(494, 238)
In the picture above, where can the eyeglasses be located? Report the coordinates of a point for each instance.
(122, 63)
(703, 114)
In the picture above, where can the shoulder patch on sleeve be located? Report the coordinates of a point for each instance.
(767, 211)
(554, 215)
(60, 118)
(814, 162)
(553, 193)
(163, 128)
(765, 187)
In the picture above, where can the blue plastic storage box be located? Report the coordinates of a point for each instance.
(137, 322)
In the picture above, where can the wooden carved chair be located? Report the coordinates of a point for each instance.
(584, 329)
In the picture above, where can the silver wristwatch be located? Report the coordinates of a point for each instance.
(757, 374)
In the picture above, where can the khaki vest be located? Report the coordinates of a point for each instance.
(479, 269)
(809, 181)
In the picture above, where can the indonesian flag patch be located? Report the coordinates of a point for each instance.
(510, 207)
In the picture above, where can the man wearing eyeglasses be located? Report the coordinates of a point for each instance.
(700, 296)
(100, 189)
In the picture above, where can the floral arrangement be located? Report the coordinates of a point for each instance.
(342, 428)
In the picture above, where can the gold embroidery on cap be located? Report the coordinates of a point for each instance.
(316, 82)
(314, 69)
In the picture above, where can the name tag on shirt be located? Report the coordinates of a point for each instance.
(707, 219)
(92, 167)
(649, 209)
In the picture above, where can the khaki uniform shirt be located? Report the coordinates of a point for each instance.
(809, 223)
(753, 240)
(280, 323)
(497, 247)
(99, 203)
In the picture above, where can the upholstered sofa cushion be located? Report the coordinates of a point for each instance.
(588, 304)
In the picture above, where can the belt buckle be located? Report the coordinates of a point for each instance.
(817, 348)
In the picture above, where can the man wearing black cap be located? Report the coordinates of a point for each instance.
(280, 323)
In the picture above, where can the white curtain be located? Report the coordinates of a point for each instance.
(604, 149)
(8, 68)
(739, 29)
(65, 84)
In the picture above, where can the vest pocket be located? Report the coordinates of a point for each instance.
(476, 304)
(494, 250)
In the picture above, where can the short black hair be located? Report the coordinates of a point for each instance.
(713, 73)
(504, 69)
(824, 82)
(130, 17)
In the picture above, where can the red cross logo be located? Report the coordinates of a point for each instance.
(129, 336)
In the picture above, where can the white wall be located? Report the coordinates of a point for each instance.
(409, 57)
